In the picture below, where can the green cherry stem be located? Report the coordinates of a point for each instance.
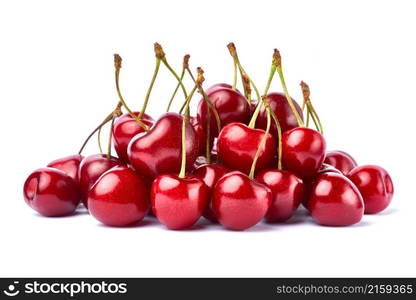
(235, 76)
(100, 147)
(184, 68)
(310, 108)
(279, 136)
(149, 90)
(261, 146)
(116, 113)
(105, 121)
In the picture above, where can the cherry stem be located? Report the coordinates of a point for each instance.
(208, 137)
(261, 146)
(235, 76)
(100, 147)
(185, 67)
(307, 116)
(149, 90)
(117, 65)
(279, 137)
(106, 120)
(310, 109)
(110, 139)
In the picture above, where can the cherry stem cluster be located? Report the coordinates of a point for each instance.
(310, 110)
(185, 66)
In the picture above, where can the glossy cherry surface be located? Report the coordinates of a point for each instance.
(51, 192)
(303, 151)
(335, 201)
(288, 192)
(240, 202)
(119, 197)
(68, 164)
(341, 161)
(210, 174)
(125, 128)
(177, 202)
(90, 169)
(158, 151)
(218, 86)
(238, 144)
(375, 185)
(230, 105)
(280, 106)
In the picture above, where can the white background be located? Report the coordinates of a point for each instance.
(56, 84)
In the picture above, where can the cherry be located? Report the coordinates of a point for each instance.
(340, 160)
(210, 174)
(158, 150)
(375, 185)
(335, 201)
(91, 168)
(69, 165)
(218, 86)
(237, 146)
(119, 197)
(125, 128)
(51, 192)
(240, 202)
(287, 190)
(201, 136)
(303, 151)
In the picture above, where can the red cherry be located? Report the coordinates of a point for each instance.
(158, 151)
(125, 128)
(340, 160)
(303, 151)
(90, 169)
(51, 192)
(283, 112)
(287, 190)
(375, 185)
(210, 174)
(69, 165)
(238, 144)
(335, 201)
(240, 202)
(230, 105)
(201, 136)
(218, 86)
(177, 202)
(119, 197)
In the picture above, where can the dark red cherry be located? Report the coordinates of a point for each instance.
(280, 106)
(218, 86)
(69, 165)
(240, 202)
(230, 105)
(201, 136)
(51, 192)
(91, 168)
(335, 201)
(177, 202)
(288, 192)
(125, 128)
(375, 185)
(303, 151)
(158, 151)
(340, 160)
(210, 174)
(119, 197)
(238, 144)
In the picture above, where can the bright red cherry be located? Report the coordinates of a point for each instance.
(119, 197)
(238, 144)
(303, 151)
(288, 192)
(283, 112)
(177, 202)
(210, 174)
(201, 136)
(230, 105)
(91, 168)
(51, 192)
(158, 151)
(240, 202)
(69, 165)
(335, 201)
(340, 160)
(125, 128)
(375, 185)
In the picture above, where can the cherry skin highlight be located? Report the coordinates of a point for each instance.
(210, 174)
(238, 144)
(375, 185)
(335, 201)
(303, 151)
(178, 203)
(218, 86)
(288, 192)
(341, 160)
(119, 197)
(90, 169)
(240, 202)
(125, 128)
(69, 165)
(51, 192)
(158, 151)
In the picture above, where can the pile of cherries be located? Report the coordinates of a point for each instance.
(238, 161)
